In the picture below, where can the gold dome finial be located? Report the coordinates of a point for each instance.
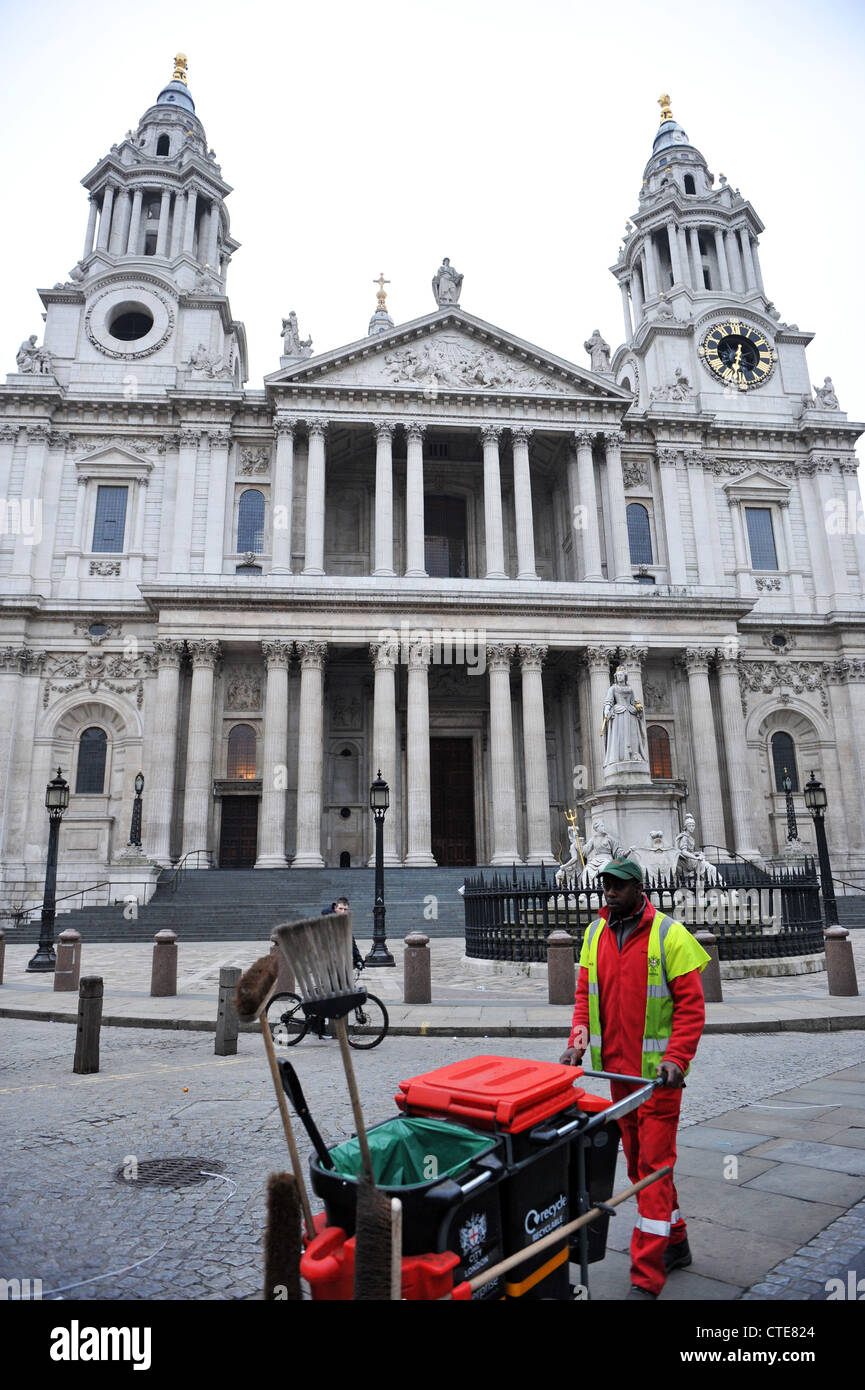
(180, 68)
(664, 103)
(381, 293)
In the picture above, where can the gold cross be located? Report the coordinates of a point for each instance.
(381, 295)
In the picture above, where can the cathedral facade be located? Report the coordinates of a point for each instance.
(425, 552)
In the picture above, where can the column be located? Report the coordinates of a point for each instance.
(138, 500)
(722, 258)
(848, 717)
(309, 755)
(105, 219)
(271, 838)
(523, 505)
(824, 469)
(736, 753)
(177, 224)
(383, 656)
(789, 562)
(626, 310)
(384, 501)
(198, 795)
(69, 583)
(189, 221)
(31, 500)
(755, 256)
(705, 748)
(283, 496)
(818, 540)
(590, 543)
(855, 512)
(683, 257)
(650, 261)
(633, 659)
(315, 483)
(675, 260)
(504, 847)
(417, 758)
(120, 226)
(8, 439)
(52, 479)
(621, 557)
(414, 505)
(91, 229)
(28, 666)
(493, 535)
(740, 545)
(672, 515)
(213, 237)
(182, 536)
(161, 773)
(162, 234)
(598, 661)
(734, 263)
(214, 534)
(702, 536)
(747, 258)
(636, 296)
(532, 658)
(134, 224)
(696, 258)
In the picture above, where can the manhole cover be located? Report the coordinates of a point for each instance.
(182, 1171)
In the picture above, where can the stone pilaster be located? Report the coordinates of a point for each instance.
(523, 505)
(214, 538)
(310, 755)
(499, 658)
(163, 759)
(705, 747)
(315, 489)
(414, 503)
(283, 496)
(184, 500)
(845, 686)
(383, 656)
(384, 500)
(198, 797)
(493, 534)
(618, 521)
(31, 500)
(736, 753)
(588, 533)
(634, 659)
(418, 758)
(598, 661)
(676, 569)
(532, 657)
(18, 721)
(694, 460)
(271, 834)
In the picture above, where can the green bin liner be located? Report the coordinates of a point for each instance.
(401, 1150)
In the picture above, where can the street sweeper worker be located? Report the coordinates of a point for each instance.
(640, 1009)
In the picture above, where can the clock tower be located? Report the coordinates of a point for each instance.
(701, 333)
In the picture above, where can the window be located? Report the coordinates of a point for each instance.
(761, 538)
(639, 534)
(784, 761)
(660, 764)
(445, 537)
(163, 145)
(241, 752)
(92, 748)
(689, 184)
(110, 523)
(250, 522)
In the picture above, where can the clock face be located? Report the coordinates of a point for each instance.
(738, 354)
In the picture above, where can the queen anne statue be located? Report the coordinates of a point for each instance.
(624, 727)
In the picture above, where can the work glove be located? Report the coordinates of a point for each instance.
(669, 1074)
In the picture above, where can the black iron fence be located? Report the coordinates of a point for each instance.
(776, 914)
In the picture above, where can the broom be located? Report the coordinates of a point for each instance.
(319, 952)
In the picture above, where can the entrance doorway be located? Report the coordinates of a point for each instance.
(452, 800)
(238, 837)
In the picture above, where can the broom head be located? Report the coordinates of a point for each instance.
(318, 949)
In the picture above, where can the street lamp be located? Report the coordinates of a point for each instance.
(792, 827)
(56, 801)
(135, 828)
(379, 800)
(817, 801)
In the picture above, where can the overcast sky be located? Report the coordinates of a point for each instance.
(509, 136)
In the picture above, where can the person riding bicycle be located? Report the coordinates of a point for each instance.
(343, 905)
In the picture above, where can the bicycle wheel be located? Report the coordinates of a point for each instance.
(367, 1024)
(286, 1020)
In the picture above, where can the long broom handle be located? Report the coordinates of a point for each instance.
(348, 1065)
(286, 1125)
(555, 1237)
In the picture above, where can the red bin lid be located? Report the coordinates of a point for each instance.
(508, 1093)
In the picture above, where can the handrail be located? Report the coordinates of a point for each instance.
(180, 868)
(857, 888)
(22, 913)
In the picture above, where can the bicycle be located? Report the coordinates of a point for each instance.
(366, 1026)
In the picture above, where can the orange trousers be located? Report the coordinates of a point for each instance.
(649, 1143)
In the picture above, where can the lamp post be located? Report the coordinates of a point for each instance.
(792, 827)
(379, 800)
(56, 801)
(816, 801)
(135, 827)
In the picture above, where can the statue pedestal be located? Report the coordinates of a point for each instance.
(632, 810)
(628, 774)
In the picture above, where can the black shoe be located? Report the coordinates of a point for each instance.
(640, 1294)
(677, 1256)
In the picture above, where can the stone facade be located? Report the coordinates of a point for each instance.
(424, 552)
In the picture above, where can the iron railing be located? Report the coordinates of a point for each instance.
(15, 910)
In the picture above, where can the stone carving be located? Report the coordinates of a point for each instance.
(446, 284)
(624, 726)
(203, 284)
(22, 659)
(292, 343)
(243, 688)
(206, 365)
(136, 351)
(599, 352)
(32, 360)
(254, 460)
(764, 583)
(204, 652)
(654, 857)
(451, 362)
(105, 568)
(598, 850)
(82, 626)
(634, 472)
(94, 670)
(825, 395)
(678, 390)
(566, 875)
(771, 677)
(656, 695)
(693, 858)
(276, 654)
(346, 712)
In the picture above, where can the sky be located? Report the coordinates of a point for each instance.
(510, 137)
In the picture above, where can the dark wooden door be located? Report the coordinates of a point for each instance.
(238, 837)
(452, 800)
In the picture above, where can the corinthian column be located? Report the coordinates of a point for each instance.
(384, 756)
(705, 747)
(618, 519)
(384, 500)
(532, 658)
(523, 505)
(736, 752)
(198, 797)
(315, 484)
(493, 534)
(499, 658)
(590, 539)
(418, 778)
(283, 496)
(672, 515)
(271, 840)
(214, 536)
(414, 512)
(598, 661)
(309, 755)
(163, 757)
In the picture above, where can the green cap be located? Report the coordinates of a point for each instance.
(623, 868)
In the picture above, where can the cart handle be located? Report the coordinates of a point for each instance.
(475, 1182)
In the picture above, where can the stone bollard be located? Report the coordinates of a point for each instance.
(561, 975)
(840, 966)
(285, 979)
(417, 969)
(163, 976)
(227, 1022)
(89, 1024)
(68, 968)
(710, 978)
(2, 953)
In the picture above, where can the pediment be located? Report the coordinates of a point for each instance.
(757, 484)
(114, 460)
(449, 351)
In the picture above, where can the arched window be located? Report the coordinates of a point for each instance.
(250, 522)
(784, 757)
(690, 187)
(660, 764)
(163, 145)
(241, 752)
(639, 535)
(92, 748)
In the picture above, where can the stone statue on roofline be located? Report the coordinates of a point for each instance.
(446, 284)
(599, 352)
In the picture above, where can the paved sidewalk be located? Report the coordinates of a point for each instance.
(470, 998)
